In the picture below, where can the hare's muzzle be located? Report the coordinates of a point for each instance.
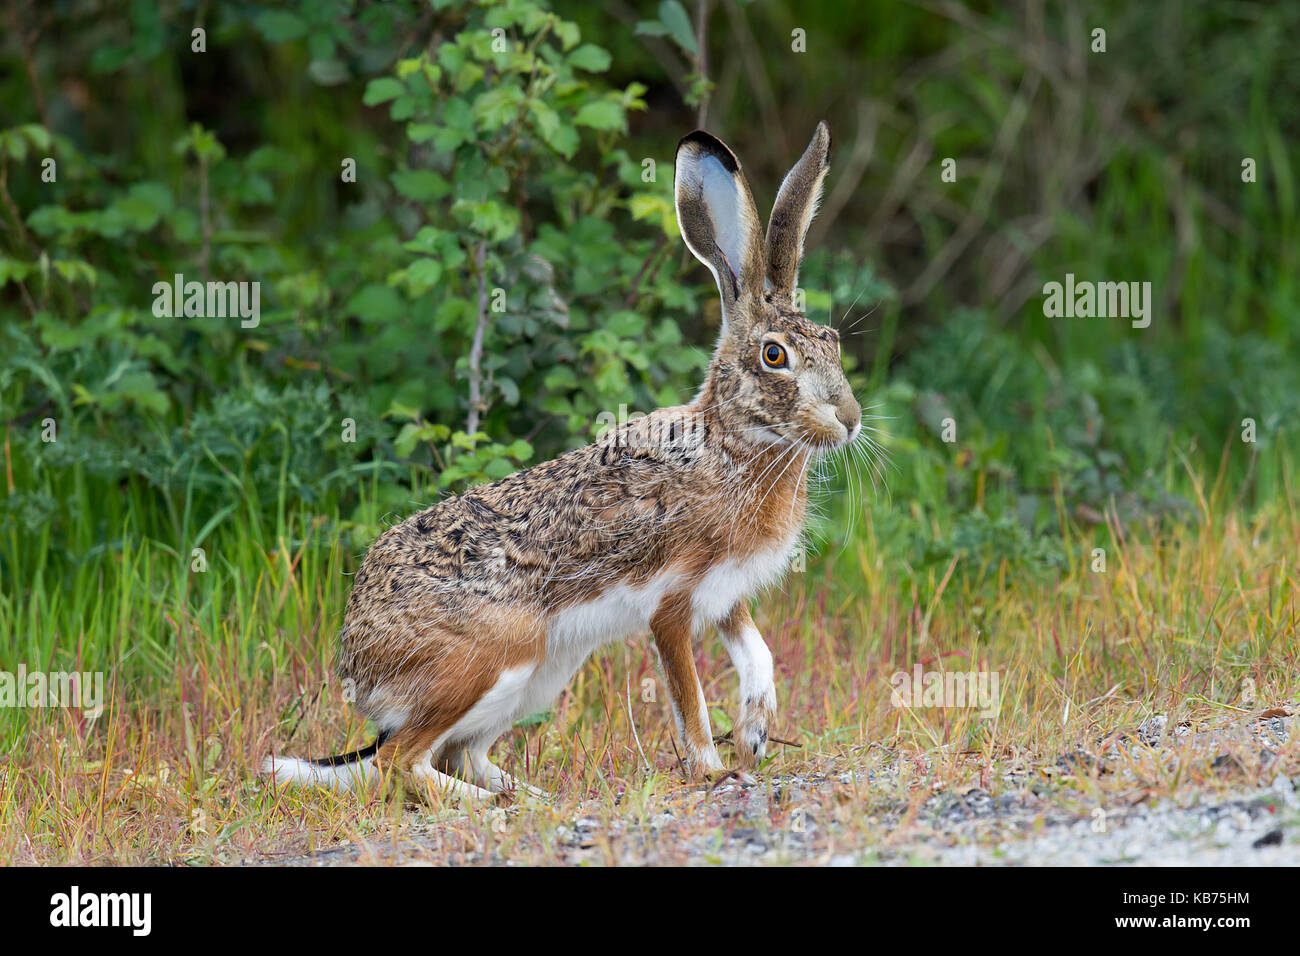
(834, 423)
(849, 413)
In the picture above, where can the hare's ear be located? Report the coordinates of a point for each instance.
(793, 211)
(716, 215)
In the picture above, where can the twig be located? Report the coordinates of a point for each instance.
(632, 721)
(850, 175)
(205, 216)
(726, 738)
(938, 265)
(23, 234)
(702, 61)
(773, 129)
(26, 41)
(674, 68)
(729, 775)
(476, 350)
(636, 280)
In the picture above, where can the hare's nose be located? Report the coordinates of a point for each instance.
(849, 412)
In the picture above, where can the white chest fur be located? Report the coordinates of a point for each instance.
(730, 581)
(622, 610)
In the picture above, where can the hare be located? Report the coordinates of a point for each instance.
(480, 609)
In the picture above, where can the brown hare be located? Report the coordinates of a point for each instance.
(479, 610)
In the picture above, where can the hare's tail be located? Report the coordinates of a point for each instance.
(349, 771)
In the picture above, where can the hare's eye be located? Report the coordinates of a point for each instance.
(774, 356)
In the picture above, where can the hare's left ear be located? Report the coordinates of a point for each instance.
(717, 218)
(793, 211)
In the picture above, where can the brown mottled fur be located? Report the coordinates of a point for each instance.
(453, 596)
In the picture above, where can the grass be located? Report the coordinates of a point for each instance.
(210, 671)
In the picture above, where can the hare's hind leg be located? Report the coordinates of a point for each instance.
(410, 751)
(423, 773)
(467, 678)
(753, 662)
(465, 752)
(471, 763)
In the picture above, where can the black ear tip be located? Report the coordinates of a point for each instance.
(708, 144)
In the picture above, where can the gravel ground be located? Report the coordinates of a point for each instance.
(1093, 807)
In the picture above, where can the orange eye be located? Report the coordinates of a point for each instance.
(774, 356)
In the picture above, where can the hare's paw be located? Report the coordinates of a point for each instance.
(702, 763)
(749, 736)
(753, 662)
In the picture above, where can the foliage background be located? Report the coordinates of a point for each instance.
(524, 171)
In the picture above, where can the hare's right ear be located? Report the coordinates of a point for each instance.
(717, 218)
(792, 214)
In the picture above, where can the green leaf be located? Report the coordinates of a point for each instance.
(591, 58)
(422, 132)
(420, 185)
(398, 410)
(626, 325)
(673, 15)
(495, 108)
(532, 720)
(422, 275)
(469, 74)
(403, 107)
(406, 440)
(600, 114)
(376, 303)
(74, 270)
(490, 218)
(280, 26)
(143, 205)
(560, 378)
(655, 207)
(557, 134)
(568, 33)
(15, 145)
(382, 90)
(37, 135)
(457, 126)
(13, 270)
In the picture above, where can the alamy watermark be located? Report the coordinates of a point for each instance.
(638, 430)
(921, 688)
(211, 300)
(74, 908)
(1102, 300)
(24, 688)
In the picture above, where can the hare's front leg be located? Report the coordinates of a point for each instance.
(672, 628)
(753, 661)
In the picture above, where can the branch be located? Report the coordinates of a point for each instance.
(759, 80)
(476, 350)
(702, 61)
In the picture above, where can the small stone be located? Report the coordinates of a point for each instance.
(1271, 838)
(1152, 729)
